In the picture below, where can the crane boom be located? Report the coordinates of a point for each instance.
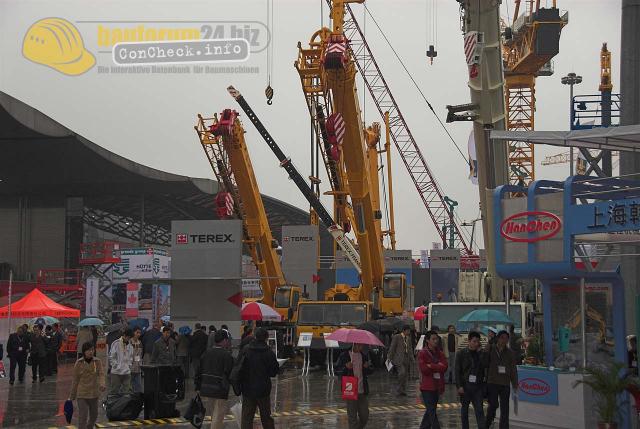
(340, 75)
(424, 180)
(254, 216)
(285, 162)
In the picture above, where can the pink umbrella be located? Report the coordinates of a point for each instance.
(420, 313)
(358, 336)
(259, 311)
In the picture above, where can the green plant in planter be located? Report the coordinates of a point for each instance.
(607, 382)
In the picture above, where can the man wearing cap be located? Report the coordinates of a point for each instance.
(501, 375)
(401, 356)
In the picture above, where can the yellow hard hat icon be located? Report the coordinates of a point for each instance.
(56, 43)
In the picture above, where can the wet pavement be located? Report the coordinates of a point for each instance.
(313, 401)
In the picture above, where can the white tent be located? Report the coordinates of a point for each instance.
(623, 138)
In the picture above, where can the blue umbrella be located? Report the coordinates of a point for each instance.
(91, 321)
(485, 330)
(486, 316)
(44, 320)
(141, 323)
(68, 410)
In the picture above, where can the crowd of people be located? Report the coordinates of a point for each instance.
(477, 372)
(38, 347)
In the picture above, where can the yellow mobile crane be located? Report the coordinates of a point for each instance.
(223, 142)
(346, 309)
(358, 149)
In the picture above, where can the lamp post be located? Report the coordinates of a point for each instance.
(571, 79)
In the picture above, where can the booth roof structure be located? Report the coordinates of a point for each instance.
(622, 138)
(37, 304)
(42, 158)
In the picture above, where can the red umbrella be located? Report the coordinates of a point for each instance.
(420, 313)
(358, 336)
(259, 311)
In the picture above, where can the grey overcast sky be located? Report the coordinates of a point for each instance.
(149, 118)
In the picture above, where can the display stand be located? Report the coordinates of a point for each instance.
(330, 345)
(304, 342)
(564, 234)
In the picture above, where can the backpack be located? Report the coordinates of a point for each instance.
(236, 374)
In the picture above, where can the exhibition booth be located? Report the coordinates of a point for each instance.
(568, 236)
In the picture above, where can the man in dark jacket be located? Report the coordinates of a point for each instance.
(355, 363)
(212, 378)
(198, 346)
(38, 354)
(49, 344)
(164, 350)
(502, 373)
(17, 350)
(260, 364)
(148, 340)
(470, 380)
(56, 343)
(247, 337)
(401, 356)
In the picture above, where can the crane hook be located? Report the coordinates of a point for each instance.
(269, 93)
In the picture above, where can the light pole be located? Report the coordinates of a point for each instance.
(571, 79)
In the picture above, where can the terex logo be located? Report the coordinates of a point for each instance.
(519, 228)
(534, 386)
(288, 239)
(204, 238)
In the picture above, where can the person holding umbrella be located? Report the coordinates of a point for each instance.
(355, 363)
(38, 354)
(88, 382)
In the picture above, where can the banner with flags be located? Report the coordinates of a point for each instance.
(132, 300)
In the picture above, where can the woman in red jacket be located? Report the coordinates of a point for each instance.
(433, 365)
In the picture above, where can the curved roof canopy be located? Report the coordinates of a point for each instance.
(41, 157)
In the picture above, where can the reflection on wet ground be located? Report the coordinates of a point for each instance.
(312, 401)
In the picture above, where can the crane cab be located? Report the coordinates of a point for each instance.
(285, 302)
(393, 294)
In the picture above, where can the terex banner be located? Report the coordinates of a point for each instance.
(206, 249)
(300, 256)
(445, 272)
(447, 258)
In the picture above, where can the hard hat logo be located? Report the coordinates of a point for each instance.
(57, 43)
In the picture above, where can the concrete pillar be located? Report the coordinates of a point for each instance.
(630, 114)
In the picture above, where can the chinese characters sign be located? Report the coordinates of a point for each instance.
(607, 216)
(621, 213)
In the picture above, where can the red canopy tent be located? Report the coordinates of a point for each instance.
(36, 304)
